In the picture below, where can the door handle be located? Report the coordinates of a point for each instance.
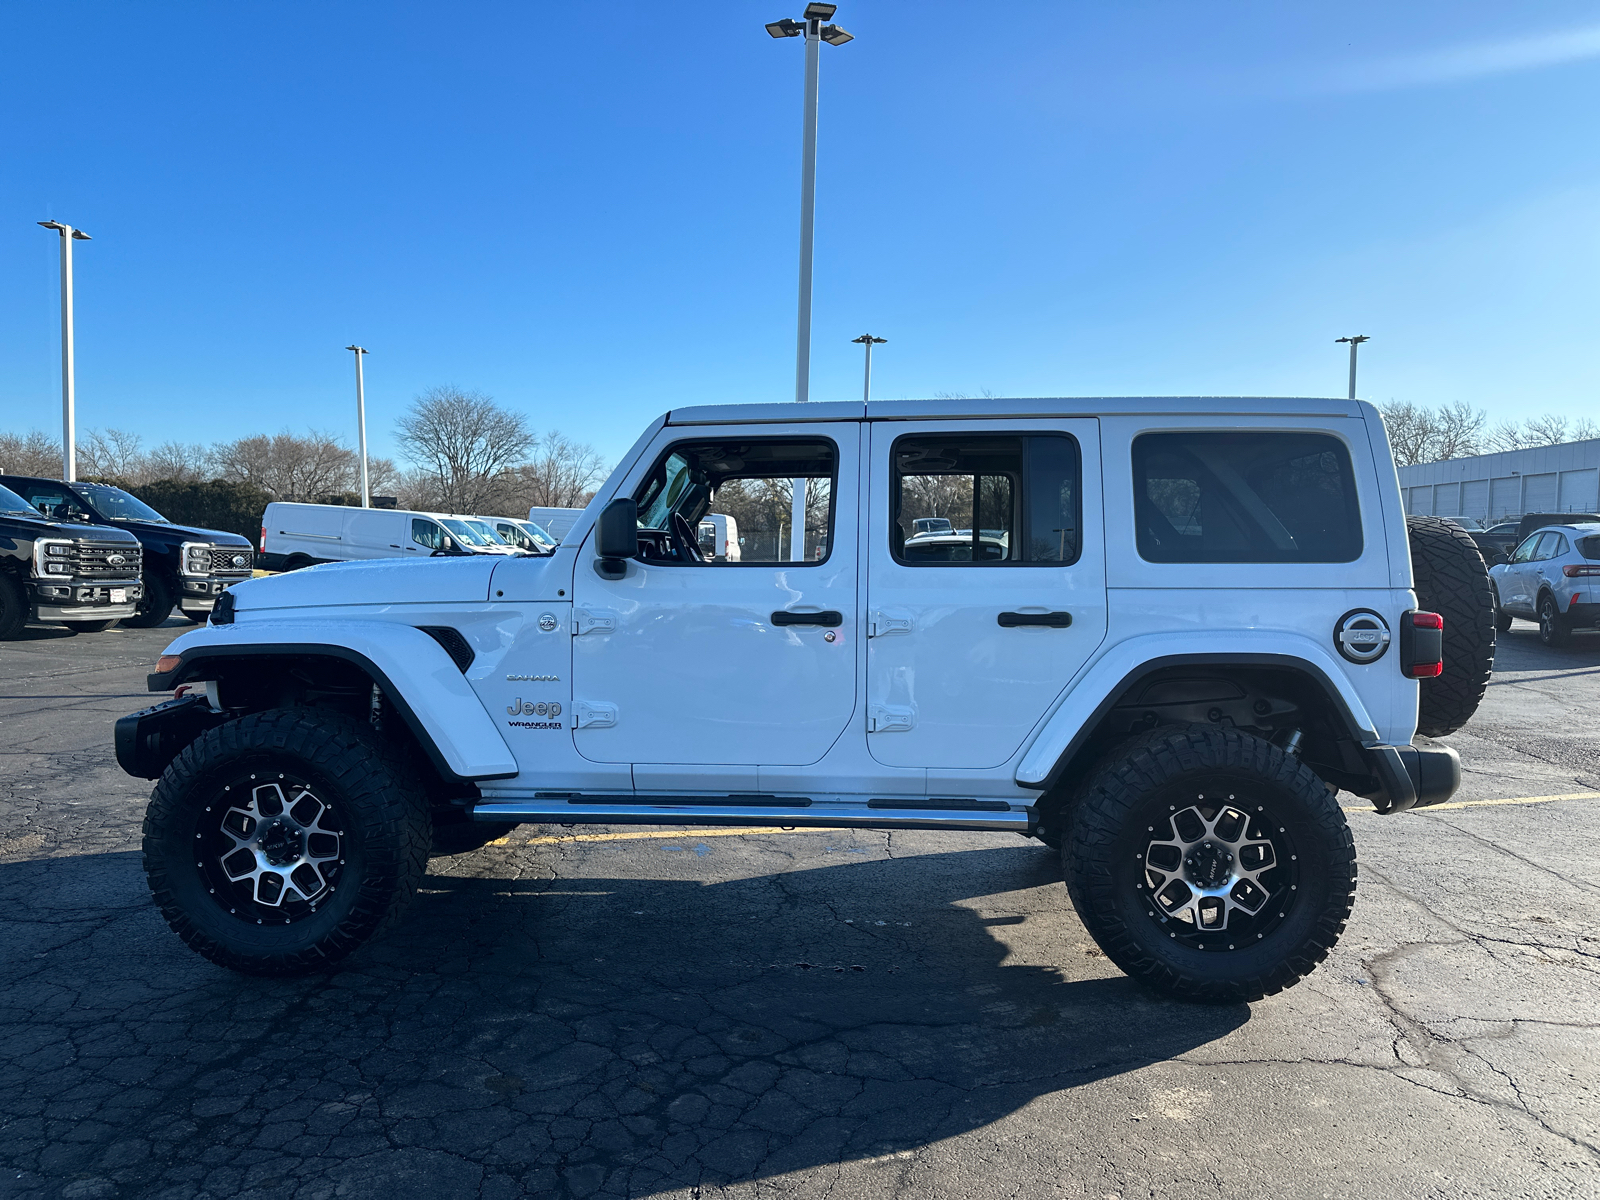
(829, 619)
(1050, 620)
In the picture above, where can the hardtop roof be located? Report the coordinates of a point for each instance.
(990, 408)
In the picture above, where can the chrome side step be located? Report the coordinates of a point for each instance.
(716, 811)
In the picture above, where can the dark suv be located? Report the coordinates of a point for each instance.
(84, 576)
(183, 566)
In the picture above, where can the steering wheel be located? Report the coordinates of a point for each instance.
(684, 540)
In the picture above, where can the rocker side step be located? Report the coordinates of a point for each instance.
(726, 810)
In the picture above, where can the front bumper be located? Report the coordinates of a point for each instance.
(200, 593)
(76, 601)
(1412, 776)
(148, 740)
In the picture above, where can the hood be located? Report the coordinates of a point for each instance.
(385, 582)
(182, 533)
(21, 525)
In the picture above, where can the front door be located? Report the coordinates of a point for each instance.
(986, 586)
(748, 662)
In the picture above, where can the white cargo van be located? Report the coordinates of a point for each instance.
(557, 522)
(302, 535)
(524, 535)
(719, 538)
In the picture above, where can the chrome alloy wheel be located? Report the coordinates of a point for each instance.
(1216, 874)
(276, 847)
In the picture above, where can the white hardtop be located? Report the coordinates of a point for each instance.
(1026, 406)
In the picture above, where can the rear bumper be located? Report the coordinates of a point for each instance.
(1412, 776)
(1582, 615)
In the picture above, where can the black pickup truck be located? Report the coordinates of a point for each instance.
(183, 566)
(84, 576)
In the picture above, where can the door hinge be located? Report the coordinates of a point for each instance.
(592, 714)
(889, 621)
(884, 718)
(599, 620)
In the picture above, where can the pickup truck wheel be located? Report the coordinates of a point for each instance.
(1452, 580)
(155, 604)
(279, 843)
(13, 608)
(89, 626)
(1553, 627)
(1210, 865)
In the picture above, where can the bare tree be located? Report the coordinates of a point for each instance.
(1419, 434)
(467, 443)
(184, 462)
(562, 474)
(1548, 430)
(1459, 431)
(112, 454)
(288, 466)
(31, 453)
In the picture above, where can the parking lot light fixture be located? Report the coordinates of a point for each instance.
(1354, 342)
(811, 24)
(69, 427)
(867, 340)
(361, 427)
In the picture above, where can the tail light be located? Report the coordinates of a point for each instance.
(263, 539)
(1421, 644)
(1576, 570)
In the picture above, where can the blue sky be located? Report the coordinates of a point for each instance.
(590, 211)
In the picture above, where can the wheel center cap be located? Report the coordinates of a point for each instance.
(1209, 864)
(280, 843)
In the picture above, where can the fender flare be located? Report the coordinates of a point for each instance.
(1110, 677)
(426, 687)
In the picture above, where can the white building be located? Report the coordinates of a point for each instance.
(1493, 487)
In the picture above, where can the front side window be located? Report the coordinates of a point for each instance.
(984, 499)
(426, 533)
(752, 482)
(1246, 497)
(1526, 550)
(55, 501)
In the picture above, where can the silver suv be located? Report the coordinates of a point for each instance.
(1553, 578)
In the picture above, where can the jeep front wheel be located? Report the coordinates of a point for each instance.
(278, 843)
(1210, 865)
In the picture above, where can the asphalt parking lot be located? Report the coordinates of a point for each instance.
(705, 1014)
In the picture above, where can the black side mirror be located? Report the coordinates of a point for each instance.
(616, 538)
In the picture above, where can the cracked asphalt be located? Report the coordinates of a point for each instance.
(809, 1014)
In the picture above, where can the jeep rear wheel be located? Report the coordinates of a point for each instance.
(279, 843)
(1451, 579)
(1210, 865)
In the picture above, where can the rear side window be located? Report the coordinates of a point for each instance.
(1589, 547)
(1268, 497)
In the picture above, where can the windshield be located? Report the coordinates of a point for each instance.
(490, 536)
(537, 532)
(464, 532)
(12, 503)
(116, 505)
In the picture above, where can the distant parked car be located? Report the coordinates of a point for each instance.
(1496, 542)
(1553, 578)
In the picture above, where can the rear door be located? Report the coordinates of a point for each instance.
(986, 585)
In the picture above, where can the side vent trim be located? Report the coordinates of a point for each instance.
(453, 643)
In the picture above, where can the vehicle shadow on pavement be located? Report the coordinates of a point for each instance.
(555, 1035)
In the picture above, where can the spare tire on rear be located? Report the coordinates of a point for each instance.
(1450, 578)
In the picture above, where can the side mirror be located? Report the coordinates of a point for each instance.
(616, 538)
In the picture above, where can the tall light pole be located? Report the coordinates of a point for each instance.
(1354, 342)
(361, 427)
(867, 340)
(811, 26)
(69, 419)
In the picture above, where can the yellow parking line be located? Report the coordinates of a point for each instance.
(1486, 803)
(680, 835)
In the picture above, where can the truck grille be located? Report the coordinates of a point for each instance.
(222, 560)
(92, 560)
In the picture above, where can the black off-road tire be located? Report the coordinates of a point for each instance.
(1554, 629)
(382, 834)
(1142, 795)
(1502, 619)
(155, 604)
(1451, 579)
(455, 832)
(89, 626)
(13, 608)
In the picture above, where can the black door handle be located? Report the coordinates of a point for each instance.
(1052, 620)
(828, 619)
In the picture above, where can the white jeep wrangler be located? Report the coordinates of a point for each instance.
(1157, 634)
